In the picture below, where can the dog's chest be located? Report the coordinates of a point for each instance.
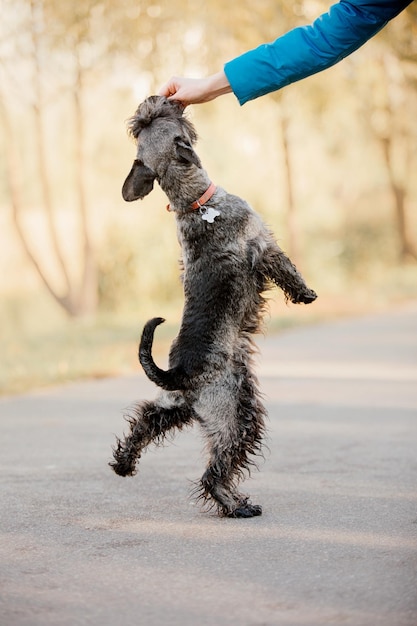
(215, 250)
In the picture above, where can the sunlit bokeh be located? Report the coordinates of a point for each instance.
(329, 162)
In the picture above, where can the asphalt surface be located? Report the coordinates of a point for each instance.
(336, 544)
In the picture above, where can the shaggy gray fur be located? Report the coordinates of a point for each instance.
(228, 264)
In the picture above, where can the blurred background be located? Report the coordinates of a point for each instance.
(330, 163)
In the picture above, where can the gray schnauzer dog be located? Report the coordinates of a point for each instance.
(229, 259)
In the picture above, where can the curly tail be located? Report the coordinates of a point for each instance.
(172, 379)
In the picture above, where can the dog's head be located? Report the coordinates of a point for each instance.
(164, 142)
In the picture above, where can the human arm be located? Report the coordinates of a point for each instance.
(307, 50)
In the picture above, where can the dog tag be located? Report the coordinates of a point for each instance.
(209, 215)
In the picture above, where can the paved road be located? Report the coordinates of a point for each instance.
(337, 543)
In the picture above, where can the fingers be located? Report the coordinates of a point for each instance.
(186, 90)
(170, 88)
(195, 90)
(174, 90)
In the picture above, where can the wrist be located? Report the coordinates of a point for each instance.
(218, 85)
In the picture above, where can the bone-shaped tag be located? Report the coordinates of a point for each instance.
(209, 215)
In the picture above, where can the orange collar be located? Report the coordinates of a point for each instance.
(202, 200)
(205, 197)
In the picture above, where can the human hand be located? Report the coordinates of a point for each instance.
(195, 90)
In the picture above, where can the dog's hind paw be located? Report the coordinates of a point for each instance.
(122, 469)
(247, 510)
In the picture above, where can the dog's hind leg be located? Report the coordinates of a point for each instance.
(218, 486)
(234, 429)
(149, 423)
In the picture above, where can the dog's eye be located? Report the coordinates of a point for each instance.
(180, 140)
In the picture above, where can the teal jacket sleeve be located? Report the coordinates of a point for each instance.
(309, 49)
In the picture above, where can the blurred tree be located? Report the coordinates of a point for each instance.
(388, 100)
(397, 138)
(32, 49)
(63, 45)
(57, 59)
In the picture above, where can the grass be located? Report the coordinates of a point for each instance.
(40, 347)
(77, 351)
(50, 350)
(70, 353)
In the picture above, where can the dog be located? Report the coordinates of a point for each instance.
(229, 260)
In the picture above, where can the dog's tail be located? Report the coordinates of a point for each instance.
(172, 379)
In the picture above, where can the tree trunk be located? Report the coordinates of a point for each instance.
(88, 294)
(292, 217)
(390, 137)
(13, 178)
(36, 26)
(406, 248)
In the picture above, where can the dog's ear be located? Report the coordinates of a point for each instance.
(138, 183)
(185, 152)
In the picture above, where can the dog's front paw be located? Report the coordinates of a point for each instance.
(306, 297)
(247, 510)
